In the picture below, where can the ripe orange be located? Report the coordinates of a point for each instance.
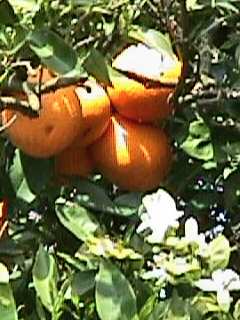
(56, 127)
(73, 161)
(134, 156)
(144, 97)
(133, 100)
(96, 112)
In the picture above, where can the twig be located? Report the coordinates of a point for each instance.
(211, 96)
(51, 85)
(18, 105)
(8, 123)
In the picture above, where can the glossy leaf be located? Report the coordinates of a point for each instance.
(18, 180)
(52, 50)
(95, 65)
(219, 253)
(45, 277)
(7, 304)
(37, 172)
(82, 282)
(198, 143)
(76, 219)
(115, 298)
(152, 38)
(94, 197)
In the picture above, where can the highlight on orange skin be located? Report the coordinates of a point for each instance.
(57, 125)
(96, 111)
(133, 156)
(143, 94)
(135, 101)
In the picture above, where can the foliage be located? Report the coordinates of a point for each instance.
(92, 251)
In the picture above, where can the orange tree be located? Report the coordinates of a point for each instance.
(83, 248)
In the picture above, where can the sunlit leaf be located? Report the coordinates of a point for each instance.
(152, 38)
(198, 143)
(45, 278)
(95, 65)
(76, 219)
(52, 50)
(236, 313)
(115, 298)
(219, 253)
(7, 304)
(95, 197)
(4, 275)
(18, 180)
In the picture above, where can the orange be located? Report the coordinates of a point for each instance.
(136, 157)
(135, 101)
(73, 161)
(96, 111)
(144, 94)
(54, 129)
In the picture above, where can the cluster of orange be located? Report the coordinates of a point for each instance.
(87, 127)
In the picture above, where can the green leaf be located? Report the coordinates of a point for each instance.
(153, 39)
(236, 312)
(95, 65)
(198, 143)
(40, 310)
(232, 190)
(95, 197)
(76, 219)
(18, 180)
(7, 304)
(227, 5)
(219, 252)
(192, 5)
(52, 50)
(7, 14)
(148, 308)
(178, 308)
(129, 203)
(206, 304)
(4, 275)
(115, 298)
(160, 311)
(82, 282)
(45, 277)
(38, 172)
(25, 6)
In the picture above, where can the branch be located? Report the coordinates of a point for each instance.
(211, 96)
(51, 85)
(38, 89)
(183, 50)
(17, 105)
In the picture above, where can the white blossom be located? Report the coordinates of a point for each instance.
(222, 282)
(192, 235)
(160, 214)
